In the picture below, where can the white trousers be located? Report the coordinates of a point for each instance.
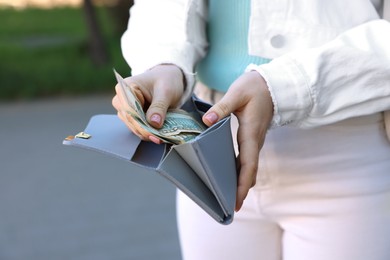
(321, 194)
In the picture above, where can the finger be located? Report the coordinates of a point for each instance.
(248, 172)
(132, 124)
(131, 127)
(115, 102)
(250, 137)
(227, 105)
(159, 106)
(138, 130)
(122, 113)
(120, 101)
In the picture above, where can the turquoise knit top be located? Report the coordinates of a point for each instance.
(227, 32)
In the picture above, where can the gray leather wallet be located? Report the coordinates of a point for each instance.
(204, 168)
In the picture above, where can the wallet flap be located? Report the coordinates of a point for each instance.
(175, 169)
(211, 158)
(216, 152)
(109, 135)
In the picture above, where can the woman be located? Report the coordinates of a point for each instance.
(320, 187)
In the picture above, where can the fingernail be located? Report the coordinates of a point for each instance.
(156, 118)
(212, 117)
(154, 139)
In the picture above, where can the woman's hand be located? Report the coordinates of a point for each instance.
(157, 89)
(249, 100)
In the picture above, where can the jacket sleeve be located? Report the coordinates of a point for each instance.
(170, 31)
(347, 77)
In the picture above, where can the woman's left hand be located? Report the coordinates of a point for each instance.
(249, 99)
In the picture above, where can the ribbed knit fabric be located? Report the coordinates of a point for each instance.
(227, 33)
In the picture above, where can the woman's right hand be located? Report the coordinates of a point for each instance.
(157, 89)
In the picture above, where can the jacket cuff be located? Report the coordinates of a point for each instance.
(289, 88)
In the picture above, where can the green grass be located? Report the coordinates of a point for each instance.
(44, 53)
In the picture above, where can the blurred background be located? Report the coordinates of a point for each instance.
(77, 44)
(57, 202)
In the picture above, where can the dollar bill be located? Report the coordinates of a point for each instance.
(179, 126)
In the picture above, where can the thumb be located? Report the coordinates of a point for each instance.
(157, 111)
(161, 101)
(220, 110)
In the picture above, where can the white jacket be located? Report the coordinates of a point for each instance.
(331, 59)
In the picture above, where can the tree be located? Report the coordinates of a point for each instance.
(119, 13)
(96, 45)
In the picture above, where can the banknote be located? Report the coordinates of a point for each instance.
(179, 126)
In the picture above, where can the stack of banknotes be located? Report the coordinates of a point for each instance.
(179, 126)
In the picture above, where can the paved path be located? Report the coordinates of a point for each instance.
(59, 202)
